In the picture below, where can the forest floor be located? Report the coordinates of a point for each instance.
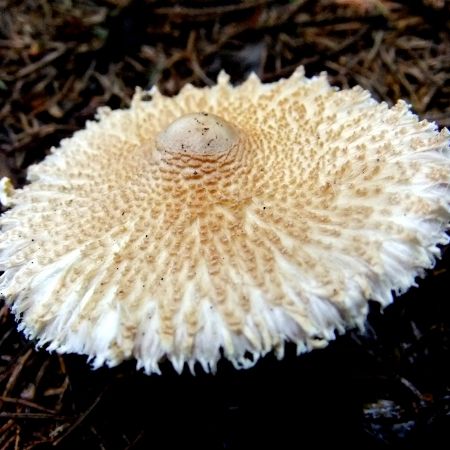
(386, 388)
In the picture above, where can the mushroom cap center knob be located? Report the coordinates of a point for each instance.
(198, 134)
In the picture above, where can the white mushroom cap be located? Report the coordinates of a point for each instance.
(224, 221)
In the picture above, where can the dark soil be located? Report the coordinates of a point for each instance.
(386, 388)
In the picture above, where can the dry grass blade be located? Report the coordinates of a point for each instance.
(80, 419)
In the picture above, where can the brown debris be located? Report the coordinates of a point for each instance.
(61, 60)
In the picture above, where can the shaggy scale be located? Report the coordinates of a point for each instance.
(224, 221)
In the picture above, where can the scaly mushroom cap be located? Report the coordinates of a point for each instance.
(224, 221)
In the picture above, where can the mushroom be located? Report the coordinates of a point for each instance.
(224, 222)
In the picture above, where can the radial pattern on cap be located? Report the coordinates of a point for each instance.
(224, 221)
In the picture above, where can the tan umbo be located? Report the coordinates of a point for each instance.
(224, 221)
